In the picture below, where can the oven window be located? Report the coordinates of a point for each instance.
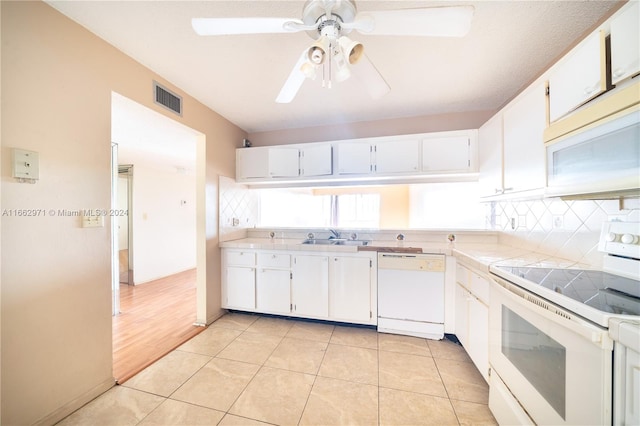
(540, 359)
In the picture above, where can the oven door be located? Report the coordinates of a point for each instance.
(556, 365)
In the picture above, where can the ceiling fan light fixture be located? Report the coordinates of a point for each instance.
(318, 51)
(309, 70)
(342, 71)
(352, 49)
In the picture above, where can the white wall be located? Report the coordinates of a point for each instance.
(164, 229)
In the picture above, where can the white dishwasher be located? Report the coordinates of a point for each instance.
(411, 294)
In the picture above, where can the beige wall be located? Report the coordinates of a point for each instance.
(366, 129)
(57, 80)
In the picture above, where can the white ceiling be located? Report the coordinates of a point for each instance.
(510, 43)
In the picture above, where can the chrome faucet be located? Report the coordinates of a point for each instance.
(334, 234)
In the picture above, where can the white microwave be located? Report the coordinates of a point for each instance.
(601, 160)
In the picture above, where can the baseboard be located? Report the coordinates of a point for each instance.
(62, 412)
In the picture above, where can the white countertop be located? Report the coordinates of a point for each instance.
(476, 255)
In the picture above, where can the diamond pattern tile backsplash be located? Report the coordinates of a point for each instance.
(238, 209)
(568, 229)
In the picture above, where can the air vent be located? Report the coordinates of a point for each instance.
(166, 98)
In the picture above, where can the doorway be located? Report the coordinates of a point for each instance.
(125, 222)
(165, 202)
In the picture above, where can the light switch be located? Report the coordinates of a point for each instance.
(92, 221)
(25, 164)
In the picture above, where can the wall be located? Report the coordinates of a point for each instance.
(390, 127)
(164, 229)
(57, 81)
(237, 202)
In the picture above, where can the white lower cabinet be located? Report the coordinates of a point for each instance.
(350, 289)
(330, 286)
(310, 286)
(472, 317)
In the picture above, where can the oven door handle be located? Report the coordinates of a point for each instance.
(514, 294)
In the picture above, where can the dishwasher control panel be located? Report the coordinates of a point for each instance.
(412, 262)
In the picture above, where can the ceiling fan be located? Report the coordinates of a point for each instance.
(333, 54)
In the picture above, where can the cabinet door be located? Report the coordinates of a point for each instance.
(284, 162)
(310, 286)
(400, 156)
(462, 297)
(579, 77)
(354, 158)
(478, 345)
(450, 154)
(350, 289)
(524, 155)
(273, 291)
(625, 42)
(252, 163)
(240, 286)
(490, 157)
(317, 160)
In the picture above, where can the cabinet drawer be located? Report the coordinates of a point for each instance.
(462, 275)
(241, 258)
(480, 287)
(274, 260)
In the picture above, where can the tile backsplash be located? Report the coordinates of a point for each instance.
(568, 229)
(239, 207)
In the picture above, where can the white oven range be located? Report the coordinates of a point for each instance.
(551, 352)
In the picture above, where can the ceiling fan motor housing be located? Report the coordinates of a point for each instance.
(314, 12)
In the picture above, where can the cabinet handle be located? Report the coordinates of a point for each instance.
(499, 191)
(507, 189)
(618, 72)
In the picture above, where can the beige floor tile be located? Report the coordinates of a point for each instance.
(231, 420)
(269, 325)
(448, 350)
(463, 381)
(176, 413)
(470, 413)
(311, 331)
(211, 341)
(299, 355)
(217, 384)
(235, 321)
(404, 344)
(167, 374)
(336, 402)
(411, 373)
(274, 396)
(251, 347)
(350, 363)
(355, 336)
(119, 406)
(407, 408)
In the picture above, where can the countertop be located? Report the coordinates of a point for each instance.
(476, 255)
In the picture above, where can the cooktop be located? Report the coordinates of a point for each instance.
(601, 290)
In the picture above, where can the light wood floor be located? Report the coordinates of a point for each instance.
(155, 318)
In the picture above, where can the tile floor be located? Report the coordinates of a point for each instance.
(253, 370)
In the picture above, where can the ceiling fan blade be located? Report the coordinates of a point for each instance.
(367, 74)
(294, 81)
(233, 26)
(449, 21)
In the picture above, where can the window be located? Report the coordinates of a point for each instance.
(356, 211)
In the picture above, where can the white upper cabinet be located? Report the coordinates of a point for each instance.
(354, 158)
(316, 160)
(284, 162)
(625, 42)
(252, 163)
(397, 156)
(524, 122)
(579, 77)
(446, 154)
(490, 157)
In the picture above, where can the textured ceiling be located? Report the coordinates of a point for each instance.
(510, 43)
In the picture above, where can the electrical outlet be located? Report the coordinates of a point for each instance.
(558, 221)
(514, 223)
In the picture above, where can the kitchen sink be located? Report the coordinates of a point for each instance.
(337, 242)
